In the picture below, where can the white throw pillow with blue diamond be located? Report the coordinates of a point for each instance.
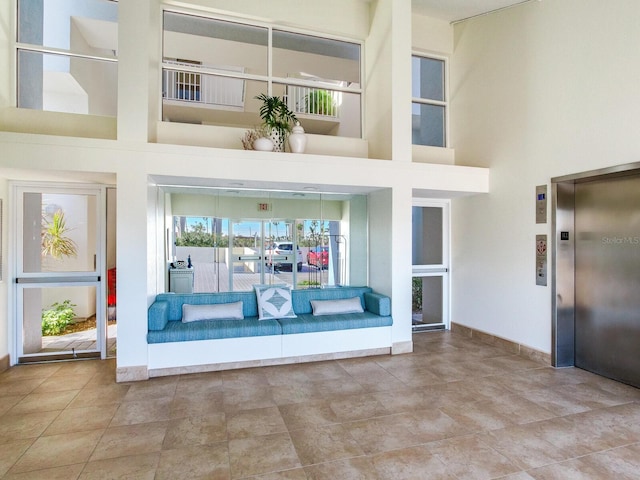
(274, 301)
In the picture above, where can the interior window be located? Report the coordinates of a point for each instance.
(319, 78)
(84, 80)
(429, 106)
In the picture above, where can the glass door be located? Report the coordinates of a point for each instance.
(61, 302)
(430, 258)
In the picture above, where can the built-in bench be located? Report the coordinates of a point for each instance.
(178, 347)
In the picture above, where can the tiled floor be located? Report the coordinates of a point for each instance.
(454, 409)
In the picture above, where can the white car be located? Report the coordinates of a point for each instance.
(275, 252)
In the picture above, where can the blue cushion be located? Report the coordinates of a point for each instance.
(307, 323)
(176, 331)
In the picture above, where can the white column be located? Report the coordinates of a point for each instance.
(139, 37)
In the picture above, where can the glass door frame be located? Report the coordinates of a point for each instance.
(28, 280)
(442, 269)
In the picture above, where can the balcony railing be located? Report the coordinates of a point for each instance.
(203, 88)
(314, 101)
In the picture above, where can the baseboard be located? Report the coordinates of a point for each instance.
(5, 363)
(400, 348)
(516, 348)
(132, 374)
(216, 367)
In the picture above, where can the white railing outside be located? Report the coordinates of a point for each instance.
(314, 101)
(203, 87)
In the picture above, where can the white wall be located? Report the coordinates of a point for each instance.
(4, 284)
(538, 91)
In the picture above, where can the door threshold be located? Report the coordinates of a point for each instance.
(59, 357)
(427, 328)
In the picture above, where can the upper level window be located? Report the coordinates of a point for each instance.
(67, 56)
(213, 69)
(429, 101)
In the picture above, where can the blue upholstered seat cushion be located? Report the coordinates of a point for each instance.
(274, 301)
(307, 323)
(176, 331)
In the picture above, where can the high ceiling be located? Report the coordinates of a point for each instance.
(453, 10)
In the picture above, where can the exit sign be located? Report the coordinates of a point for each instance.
(264, 207)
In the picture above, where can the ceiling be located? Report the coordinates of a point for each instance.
(454, 10)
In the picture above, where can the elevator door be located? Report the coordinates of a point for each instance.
(607, 278)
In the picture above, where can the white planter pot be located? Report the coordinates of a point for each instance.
(297, 139)
(263, 144)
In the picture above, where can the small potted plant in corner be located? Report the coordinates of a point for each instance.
(277, 119)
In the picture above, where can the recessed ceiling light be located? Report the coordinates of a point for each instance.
(297, 194)
(233, 191)
(310, 189)
(236, 184)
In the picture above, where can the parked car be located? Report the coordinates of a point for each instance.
(318, 256)
(282, 248)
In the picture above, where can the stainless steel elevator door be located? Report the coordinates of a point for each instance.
(607, 278)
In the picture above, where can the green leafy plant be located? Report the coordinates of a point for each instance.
(55, 241)
(56, 319)
(276, 115)
(320, 102)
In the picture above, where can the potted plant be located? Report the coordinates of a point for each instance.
(277, 118)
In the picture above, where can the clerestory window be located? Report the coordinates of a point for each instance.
(213, 69)
(66, 54)
(429, 101)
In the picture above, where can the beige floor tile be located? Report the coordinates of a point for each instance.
(476, 409)
(42, 370)
(80, 419)
(558, 402)
(59, 383)
(261, 455)
(619, 463)
(130, 440)
(468, 458)
(249, 398)
(243, 379)
(203, 430)
(331, 389)
(20, 427)
(100, 395)
(43, 402)
(523, 447)
(358, 407)
(293, 474)
(431, 425)
(200, 383)
(196, 404)
(58, 450)
(385, 433)
(152, 389)
(359, 468)
(19, 386)
(7, 402)
(209, 462)
(11, 452)
(308, 414)
(67, 472)
(324, 444)
(409, 464)
(138, 467)
(260, 421)
(144, 411)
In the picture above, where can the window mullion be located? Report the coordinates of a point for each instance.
(61, 51)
